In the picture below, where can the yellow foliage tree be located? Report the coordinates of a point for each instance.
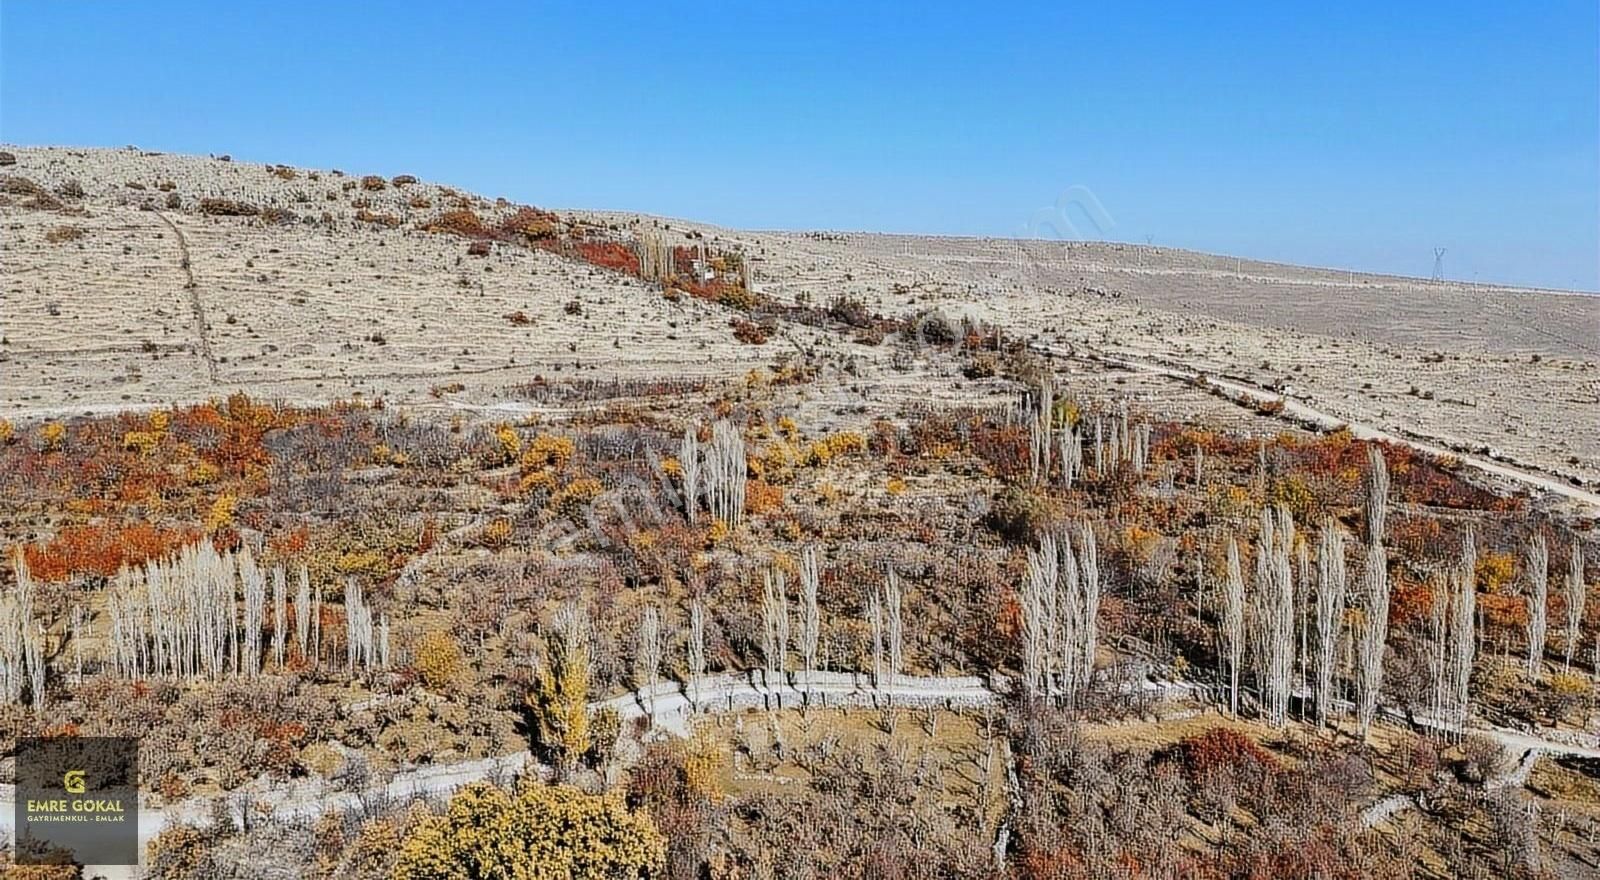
(540, 831)
(510, 442)
(703, 765)
(560, 699)
(52, 433)
(221, 512)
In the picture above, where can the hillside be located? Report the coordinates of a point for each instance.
(779, 554)
(121, 290)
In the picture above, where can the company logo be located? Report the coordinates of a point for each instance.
(76, 797)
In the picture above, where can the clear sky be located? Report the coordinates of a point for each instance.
(1348, 134)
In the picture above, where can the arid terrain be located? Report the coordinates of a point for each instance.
(781, 554)
(155, 304)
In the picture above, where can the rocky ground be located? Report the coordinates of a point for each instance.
(124, 288)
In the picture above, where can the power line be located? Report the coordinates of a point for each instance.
(1438, 264)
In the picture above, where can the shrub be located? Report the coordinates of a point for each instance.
(1019, 515)
(540, 831)
(438, 659)
(1220, 748)
(609, 255)
(531, 224)
(478, 249)
(509, 441)
(52, 434)
(459, 222)
(851, 311)
(575, 496)
(748, 332)
(227, 208)
(62, 234)
(373, 183)
(403, 180)
(388, 221)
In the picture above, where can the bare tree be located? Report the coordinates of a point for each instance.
(1538, 572)
(359, 632)
(725, 472)
(302, 615)
(811, 618)
(875, 622)
(1372, 634)
(1330, 611)
(1037, 625)
(1463, 630)
(1069, 448)
(697, 647)
(775, 630)
(1039, 431)
(647, 659)
(1576, 593)
(1439, 652)
(21, 649)
(280, 615)
(891, 606)
(254, 582)
(689, 471)
(1086, 608)
(1232, 622)
(1275, 611)
(1377, 480)
(80, 629)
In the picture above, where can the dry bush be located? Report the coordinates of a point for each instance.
(374, 183)
(403, 180)
(20, 186)
(227, 208)
(438, 660)
(388, 221)
(530, 223)
(64, 234)
(749, 332)
(459, 222)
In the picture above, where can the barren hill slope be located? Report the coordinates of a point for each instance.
(132, 278)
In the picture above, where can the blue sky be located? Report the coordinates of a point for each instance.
(1355, 135)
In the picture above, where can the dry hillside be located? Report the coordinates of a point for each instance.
(136, 279)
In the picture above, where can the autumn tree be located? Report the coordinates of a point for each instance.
(560, 699)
